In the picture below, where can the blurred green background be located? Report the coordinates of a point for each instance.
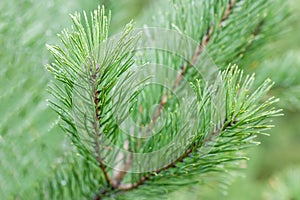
(30, 140)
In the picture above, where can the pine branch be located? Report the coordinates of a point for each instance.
(204, 42)
(206, 39)
(228, 37)
(90, 84)
(186, 154)
(228, 114)
(234, 124)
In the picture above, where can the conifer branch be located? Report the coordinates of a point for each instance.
(183, 69)
(233, 122)
(242, 121)
(186, 154)
(228, 28)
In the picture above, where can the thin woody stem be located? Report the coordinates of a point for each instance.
(186, 154)
(97, 117)
(216, 133)
(119, 177)
(183, 69)
(98, 156)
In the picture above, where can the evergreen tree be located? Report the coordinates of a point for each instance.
(144, 122)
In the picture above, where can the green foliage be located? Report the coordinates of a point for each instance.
(70, 178)
(285, 72)
(29, 138)
(88, 67)
(77, 68)
(284, 185)
(232, 31)
(219, 153)
(213, 146)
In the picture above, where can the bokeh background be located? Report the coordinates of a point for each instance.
(31, 142)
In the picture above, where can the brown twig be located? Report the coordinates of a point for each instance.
(186, 154)
(121, 174)
(130, 186)
(96, 130)
(227, 12)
